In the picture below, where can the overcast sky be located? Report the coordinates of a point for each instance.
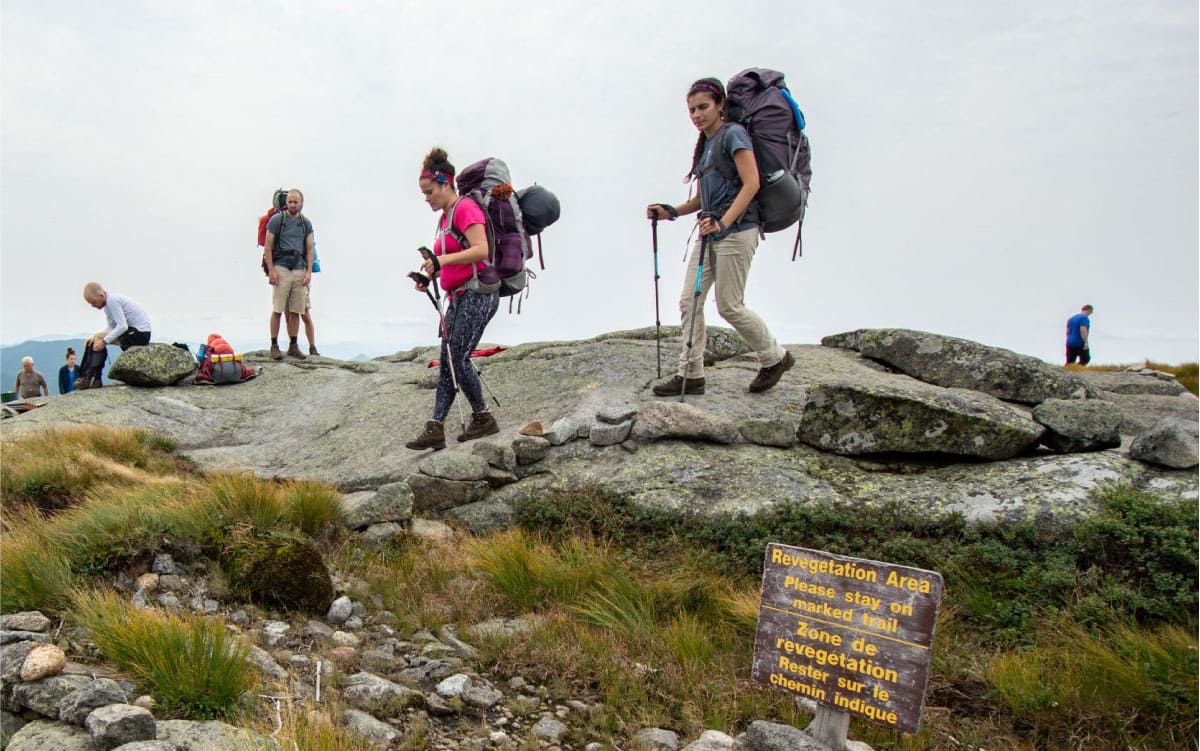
(979, 169)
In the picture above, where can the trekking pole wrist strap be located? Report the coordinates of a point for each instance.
(672, 212)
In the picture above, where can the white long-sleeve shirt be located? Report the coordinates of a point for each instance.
(123, 314)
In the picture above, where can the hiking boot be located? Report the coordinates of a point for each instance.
(768, 377)
(432, 437)
(482, 423)
(275, 353)
(312, 351)
(678, 384)
(294, 351)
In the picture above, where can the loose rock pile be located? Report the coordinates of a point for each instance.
(353, 663)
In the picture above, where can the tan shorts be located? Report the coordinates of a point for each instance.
(289, 295)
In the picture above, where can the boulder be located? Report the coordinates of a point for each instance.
(896, 417)
(455, 465)
(779, 433)
(656, 739)
(961, 363)
(711, 740)
(393, 502)
(209, 736)
(1170, 442)
(45, 660)
(549, 730)
(29, 620)
(530, 449)
(497, 454)
(46, 735)
(1140, 381)
(434, 494)
(378, 732)
(45, 696)
(564, 429)
(1074, 425)
(117, 724)
(379, 696)
(77, 705)
(772, 736)
(671, 419)
(608, 434)
(153, 365)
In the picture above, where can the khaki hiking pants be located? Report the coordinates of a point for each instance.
(733, 253)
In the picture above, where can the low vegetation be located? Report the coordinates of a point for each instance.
(1187, 374)
(192, 667)
(1050, 636)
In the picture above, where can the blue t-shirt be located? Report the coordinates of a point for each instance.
(717, 192)
(1074, 338)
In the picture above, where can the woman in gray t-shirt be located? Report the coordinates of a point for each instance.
(728, 227)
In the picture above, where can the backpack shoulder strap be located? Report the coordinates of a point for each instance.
(721, 162)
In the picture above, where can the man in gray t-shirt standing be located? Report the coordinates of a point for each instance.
(288, 254)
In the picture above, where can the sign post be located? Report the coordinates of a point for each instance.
(850, 634)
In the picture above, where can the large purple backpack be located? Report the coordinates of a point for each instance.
(759, 99)
(488, 183)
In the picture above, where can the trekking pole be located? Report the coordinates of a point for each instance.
(704, 244)
(657, 317)
(435, 299)
(479, 375)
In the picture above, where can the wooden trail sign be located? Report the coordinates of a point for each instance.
(851, 634)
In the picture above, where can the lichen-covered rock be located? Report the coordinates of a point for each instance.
(1074, 425)
(117, 724)
(778, 433)
(1141, 381)
(960, 363)
(30, 620)
(656, 739)
(378, 732)
(564, 429)
(211, 736)
(670, 419)
(393, 502)
(892, 417)
(497, 454)
(772, 736)
(1170, 442)
(153, 365)
(434, 494)
(608, 434)
(455, 465)
(45, 696)
(278, 570)
(47, 735)
(530, 449)
(379, 696)
(77, 705)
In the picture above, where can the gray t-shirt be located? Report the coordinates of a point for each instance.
(717, 191)
(288, 250)
(31, 384)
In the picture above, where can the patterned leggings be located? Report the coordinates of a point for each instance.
(466, 318)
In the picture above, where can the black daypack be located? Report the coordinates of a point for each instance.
(758, 99)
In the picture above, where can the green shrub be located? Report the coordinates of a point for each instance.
(193, 667)
(313, 508)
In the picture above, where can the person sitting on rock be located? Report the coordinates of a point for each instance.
(128, 323)
(30, 383)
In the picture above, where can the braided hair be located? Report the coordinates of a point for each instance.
(714, 88)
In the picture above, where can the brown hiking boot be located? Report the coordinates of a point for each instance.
(294, 351)
(768, 377)
(432, 437)
(482, 423)
(275, 353)
(677, 385)
(312, 351)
